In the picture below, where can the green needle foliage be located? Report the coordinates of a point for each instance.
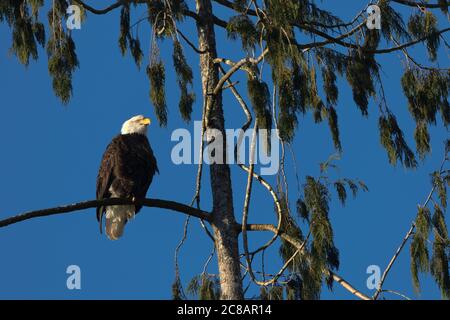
(177, 290)
(124, 28)
(340, 190)
(62, 59)
(427, 94)
(311, 268)
(242, 27)
(391, 137)
(306, 268)
(441, 187)
(185, 78)
(157, 74)
(259, 95)
(27, 31)
(422, 24)
(419, 248)
(432, 234)
(204, 287)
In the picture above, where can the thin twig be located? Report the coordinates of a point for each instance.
(397, 293)
(205, 267)
(189, 42)
(177, 250)
(200, 164)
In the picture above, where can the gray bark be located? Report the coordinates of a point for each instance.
(223, 220)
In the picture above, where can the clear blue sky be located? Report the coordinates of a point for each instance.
(50, 155)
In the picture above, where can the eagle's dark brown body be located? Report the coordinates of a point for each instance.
(126, 171)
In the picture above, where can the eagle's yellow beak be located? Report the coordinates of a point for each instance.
(145, 121)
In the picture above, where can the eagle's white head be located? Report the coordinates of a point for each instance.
(137, 124)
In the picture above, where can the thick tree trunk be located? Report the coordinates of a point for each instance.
(226, 236)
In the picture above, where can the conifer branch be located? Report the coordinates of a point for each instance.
(410, 58)
(420, 4)
(330, 39)
(407, 44)
(248, 11)
(299, 245)
(406, 238)
(339, 41)
(156, 203)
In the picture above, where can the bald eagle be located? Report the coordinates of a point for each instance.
(126, 171)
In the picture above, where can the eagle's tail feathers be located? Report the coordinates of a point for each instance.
(101, 223)
(116, 218)
(114, 228)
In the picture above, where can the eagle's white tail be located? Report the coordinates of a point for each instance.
(116, 218)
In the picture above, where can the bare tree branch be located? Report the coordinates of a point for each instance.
(277, 206)
(247, 205)
(198, 181)
(349, 287)
(261, 180)
(102, 11)
(189, 42)
(236, 67)
(397, 294)
(410, 58)
(177, 251)
(156, 203)
(120, 3)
